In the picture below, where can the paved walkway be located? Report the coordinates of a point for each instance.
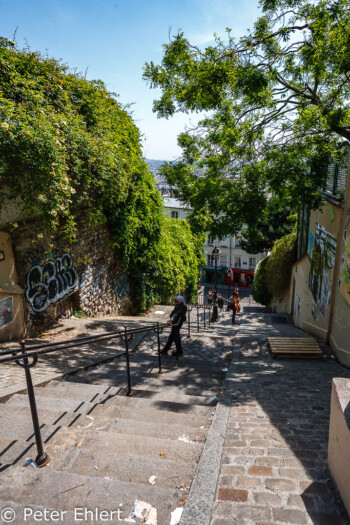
(55, 365)
(265, 459)
(274, 463)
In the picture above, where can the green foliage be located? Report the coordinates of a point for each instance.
(67, 145)
(279, 267)
(260, 292)
(277, 111)
(273, 224)
(273, 273)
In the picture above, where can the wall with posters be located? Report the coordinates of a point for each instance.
(12, 324)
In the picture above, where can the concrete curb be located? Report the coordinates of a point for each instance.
(21, 388)
(201, 498)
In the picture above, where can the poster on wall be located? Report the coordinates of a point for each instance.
(322, 265)
(6, 312)
(344, 277)
(310, 245)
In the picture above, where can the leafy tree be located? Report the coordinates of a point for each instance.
(67, 146)
(276, 110)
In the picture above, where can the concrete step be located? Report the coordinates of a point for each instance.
(54, 404)
(22, 430)
(148, 428)
(194, 372)
(124, 467)
(149, 414)
(49, 417)
(175, 386)
(124, 444)
(67, 491)
(166, 394)
(68, 393)
(69, 405)
(159, 403)
(81, 390)
(116, 378)
(100, 412)
(13, 451)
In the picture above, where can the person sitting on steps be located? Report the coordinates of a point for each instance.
(177, 317)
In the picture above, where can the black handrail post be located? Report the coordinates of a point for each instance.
(128, 393)
(159, 356)
(189, 309)
(197, 317)
(42, 458)
(204, 315)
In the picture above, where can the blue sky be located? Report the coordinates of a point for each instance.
(114, 38)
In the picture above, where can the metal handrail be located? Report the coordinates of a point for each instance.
(23, 355)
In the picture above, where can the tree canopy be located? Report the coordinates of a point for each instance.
(67, 146)
(276, 110)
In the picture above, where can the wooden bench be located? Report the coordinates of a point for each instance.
(295, 347)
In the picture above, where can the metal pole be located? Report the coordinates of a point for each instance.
(214, 316)
(204, 308)
(189, 310)
(128, 393)
(42, 458)
(197, 318)
(159, 356)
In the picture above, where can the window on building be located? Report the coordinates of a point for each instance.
(211, 241)
(224, 242)
(238, 239)
(210, 259)
(336, 175)
(238, 262)
(223, 260)
(252, 262)
(174, 214)
(303, 231)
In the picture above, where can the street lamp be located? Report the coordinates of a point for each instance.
(229, 276)
(215, 254)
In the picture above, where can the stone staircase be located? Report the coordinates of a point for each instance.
(109, 451)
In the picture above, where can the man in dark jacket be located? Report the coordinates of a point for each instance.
(177, 317)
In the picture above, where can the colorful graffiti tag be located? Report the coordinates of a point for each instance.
(50, 282)
(322, 265)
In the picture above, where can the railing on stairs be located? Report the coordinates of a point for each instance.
(28, 356)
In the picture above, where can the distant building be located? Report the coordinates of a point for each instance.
(232, 255)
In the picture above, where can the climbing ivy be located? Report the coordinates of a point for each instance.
(67, 145)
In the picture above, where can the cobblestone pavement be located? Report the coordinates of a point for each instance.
(274, 464)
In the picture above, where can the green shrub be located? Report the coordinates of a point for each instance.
(260, 292)
(279, 267)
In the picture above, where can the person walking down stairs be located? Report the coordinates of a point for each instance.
(234, 306)
(177, 317)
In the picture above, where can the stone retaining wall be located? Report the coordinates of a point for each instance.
(59, 278)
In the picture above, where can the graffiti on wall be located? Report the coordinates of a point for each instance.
(50, 281)
(321, 272)
(91, 279)
(121, 288)
(6, 312)
(344, 271)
